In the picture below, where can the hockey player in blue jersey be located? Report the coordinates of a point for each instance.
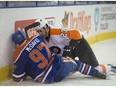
(33, 58)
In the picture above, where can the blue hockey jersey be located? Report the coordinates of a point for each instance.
(33, 58)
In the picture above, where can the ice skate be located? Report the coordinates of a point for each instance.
(99, 75)
(113, 68)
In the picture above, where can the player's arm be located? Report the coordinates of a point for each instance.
(18, 75)
(18, 78)
(74, 34)
(71, 34)
(19, 67)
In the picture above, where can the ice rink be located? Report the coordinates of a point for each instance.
(105, 52)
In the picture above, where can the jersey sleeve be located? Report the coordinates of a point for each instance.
(74, 34)
(19, 69)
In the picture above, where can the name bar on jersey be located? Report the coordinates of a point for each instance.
(32, 44)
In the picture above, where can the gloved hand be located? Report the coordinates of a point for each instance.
(67, 52)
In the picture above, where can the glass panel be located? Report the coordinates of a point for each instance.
(45, 3)
(2, 3)
(65, 2)
(81, 2)
(105, 2)
(92, 2)
(21, 3)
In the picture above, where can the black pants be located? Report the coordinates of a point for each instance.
(82, 50)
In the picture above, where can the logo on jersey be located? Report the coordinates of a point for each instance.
(55, 49)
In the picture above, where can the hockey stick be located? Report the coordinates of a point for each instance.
(30, 26)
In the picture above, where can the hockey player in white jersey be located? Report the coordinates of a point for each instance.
(69, 43)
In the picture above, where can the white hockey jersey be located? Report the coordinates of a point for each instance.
(62, 38)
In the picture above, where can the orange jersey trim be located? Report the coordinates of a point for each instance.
(19, 50)
(72, 34)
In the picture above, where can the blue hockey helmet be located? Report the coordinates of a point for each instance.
(18, 37)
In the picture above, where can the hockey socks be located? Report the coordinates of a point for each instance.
(89, 70)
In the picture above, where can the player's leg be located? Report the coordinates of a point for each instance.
(84, 52)
(69, 66)
(106, 68)
(89, 70)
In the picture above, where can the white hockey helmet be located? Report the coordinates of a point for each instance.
(43, 23)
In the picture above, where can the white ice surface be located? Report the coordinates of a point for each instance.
(105, 52)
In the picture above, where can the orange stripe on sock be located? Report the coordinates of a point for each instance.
(103, 68)
(86, 69)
